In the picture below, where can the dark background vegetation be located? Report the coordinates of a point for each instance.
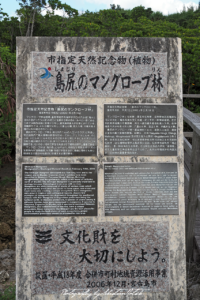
(113, 22)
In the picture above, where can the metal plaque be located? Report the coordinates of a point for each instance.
(140, 129)
(141, 189)
(100, 257)
(59, 130)
(99, 74)
(59, 189)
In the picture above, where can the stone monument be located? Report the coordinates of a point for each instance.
(99, 168)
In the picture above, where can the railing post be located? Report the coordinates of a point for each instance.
(192, 194)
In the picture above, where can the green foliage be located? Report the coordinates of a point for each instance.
(7, 137)
(2, 14)
(9, 293)
(113, 6)
(156, 16)
(140, 11)
(186, 18)
(32, 19)
(7, 103)
(4, 182)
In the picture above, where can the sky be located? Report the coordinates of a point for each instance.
(165, 6)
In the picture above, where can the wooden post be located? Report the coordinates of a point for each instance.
(192, 194)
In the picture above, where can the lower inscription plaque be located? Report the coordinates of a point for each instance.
(100, 257)
(60, 189)
(141, 189)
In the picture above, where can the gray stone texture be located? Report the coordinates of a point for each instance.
(171, 46)
(7, 268)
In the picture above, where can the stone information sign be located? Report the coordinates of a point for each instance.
(140, 189)
(53, 130)
(100, 256)
(140, 129)
(99, 169)
(99, 74)
(60, 189)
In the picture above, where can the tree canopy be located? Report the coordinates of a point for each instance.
(39, 18)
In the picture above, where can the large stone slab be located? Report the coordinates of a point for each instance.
(35, 90)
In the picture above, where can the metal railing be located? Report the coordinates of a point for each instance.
(192, 176)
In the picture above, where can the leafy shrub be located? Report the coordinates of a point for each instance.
(7, 179)
(7, 103)
(8, 294)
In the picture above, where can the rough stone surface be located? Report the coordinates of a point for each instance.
(3, 276)
(7, 268)
(5, 230)
(174, 95)
(7, 260)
